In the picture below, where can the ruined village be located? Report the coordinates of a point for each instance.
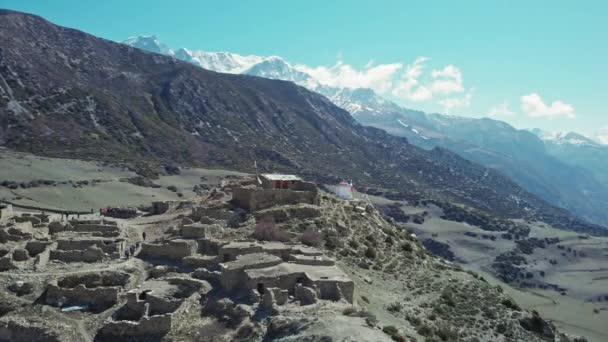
(138, 277)
(254, 258)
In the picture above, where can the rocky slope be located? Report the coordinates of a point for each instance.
(66, 93)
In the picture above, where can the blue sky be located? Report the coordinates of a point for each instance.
(530, 63)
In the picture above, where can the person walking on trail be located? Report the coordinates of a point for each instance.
(143, 235)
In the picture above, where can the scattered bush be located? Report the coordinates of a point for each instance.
(445, 333)
(407, 247)
(349, 311)
(268, 231)
(172, 188)
(311, 237)
(424, 330)
(365, 299)
(370, 253)
(509, 303)
(394, 307)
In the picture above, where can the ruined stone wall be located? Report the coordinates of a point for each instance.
(107, 245)
(174, 249)
(335, 290)
(146, 326)
(106, 230)
(161, 306)
(229, 253)
(209, 246)
(42, 259)
(91, 254)
(6, 263)
(218, 213)
(197, 230)
(233, 278)
(96, 279)
(254, 199)
(282, 281)
(6, 212)
(100, 297)
(36, 247)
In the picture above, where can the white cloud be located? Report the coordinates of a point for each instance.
(409, 86)
(414, 86)
(455, 102)
(407, 82)
(377, 77)
(534, 106)
(447, 81)
(602, 135)
(501, 110)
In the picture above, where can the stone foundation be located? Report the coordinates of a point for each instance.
(173, 249)
(253, 199)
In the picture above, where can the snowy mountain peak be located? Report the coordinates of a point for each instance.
(559, 138)
(149, 43)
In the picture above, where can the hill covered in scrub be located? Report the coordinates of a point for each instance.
(68, 94)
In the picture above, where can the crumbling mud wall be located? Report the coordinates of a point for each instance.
(92, 280)
(107, 245)
(289, 212)
(253, 199)
(96, 228)
(6, 261)
(233, 272)
(18, 232)
(174, 249)
(22, 330)
(198, 230)
(99, 297)
(91, 254)
(146, 326)
(6, 212)
(36, 247)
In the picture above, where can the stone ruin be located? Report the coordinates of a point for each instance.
(251, 266)
(152, 309)
(6, 212)
(31, 241)
(199, 265)
(254, 198)
(93, 291)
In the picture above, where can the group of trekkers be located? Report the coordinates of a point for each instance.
(129, 252)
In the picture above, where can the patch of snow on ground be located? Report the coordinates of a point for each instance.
(402, 123)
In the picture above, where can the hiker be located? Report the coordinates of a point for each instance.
(143, 235)
(127, 254)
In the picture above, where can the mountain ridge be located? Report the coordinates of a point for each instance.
(66, 93)
(543, 166)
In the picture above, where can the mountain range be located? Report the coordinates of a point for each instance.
(567, 170)
(66, 93)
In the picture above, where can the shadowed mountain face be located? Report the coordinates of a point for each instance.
(69, 94)
(558, 172)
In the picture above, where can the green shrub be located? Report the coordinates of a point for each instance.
(370, 253)
(394, 307)
(425, 330)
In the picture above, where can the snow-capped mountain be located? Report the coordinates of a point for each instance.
(149, 43)
(539, 163)
(225, 62)
(572, 138)
(354, 101)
